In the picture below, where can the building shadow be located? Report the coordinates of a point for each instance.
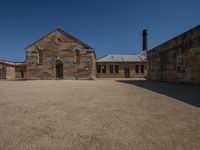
(187, 93)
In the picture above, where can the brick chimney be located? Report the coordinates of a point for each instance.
(145, 40)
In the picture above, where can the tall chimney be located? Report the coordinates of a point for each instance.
(145, 40)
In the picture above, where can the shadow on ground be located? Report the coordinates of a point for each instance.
(189, 94)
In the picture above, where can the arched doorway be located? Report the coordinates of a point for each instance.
(59, 69)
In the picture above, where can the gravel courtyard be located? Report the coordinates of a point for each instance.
(99, 115)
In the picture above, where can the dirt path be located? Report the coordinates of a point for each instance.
(98, 115)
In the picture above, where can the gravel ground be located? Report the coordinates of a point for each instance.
(98, 115)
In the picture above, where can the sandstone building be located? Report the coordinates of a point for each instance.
(176, 60)
(12, 70)
(60, 55)
(121, 66)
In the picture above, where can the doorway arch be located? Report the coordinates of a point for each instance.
(59, 69)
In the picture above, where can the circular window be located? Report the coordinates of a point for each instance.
(58, 41)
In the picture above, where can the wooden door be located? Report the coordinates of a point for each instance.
(126, 72)
(59, 69)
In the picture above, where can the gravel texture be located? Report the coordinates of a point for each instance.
(99, 115)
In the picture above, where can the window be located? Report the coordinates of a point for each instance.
(77, 56)
(58, 41)
(137, 69)
(22, 74)
(77, 53)
(40, 56)
(98, 68)
(142, 68)
(116, 68)
(111, 69)
(103, 68)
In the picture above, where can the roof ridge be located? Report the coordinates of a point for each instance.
(62, 31)
(121, 58)
(11, 61)
(103, 56)
(139, 57)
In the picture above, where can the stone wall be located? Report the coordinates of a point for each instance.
(10, 72)
(20, 72)
(122, 66)
(57, 46)
(177, 60)
(7, 71)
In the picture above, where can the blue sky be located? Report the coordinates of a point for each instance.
(109, 26)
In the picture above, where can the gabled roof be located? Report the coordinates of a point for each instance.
(11, 63)
(64, 33)
(123, 58)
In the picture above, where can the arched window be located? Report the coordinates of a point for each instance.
(40, 56)
(77, 53)
(77, 56)
(58, 41)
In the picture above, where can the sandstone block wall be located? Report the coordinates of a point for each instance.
(57, 46)
(10, 72)
(7, 71)
(177, 60)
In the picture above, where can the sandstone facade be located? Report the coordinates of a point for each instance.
(59, 55)
(122, 66)
(125, 70)
(12, 70)
(176, 60)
